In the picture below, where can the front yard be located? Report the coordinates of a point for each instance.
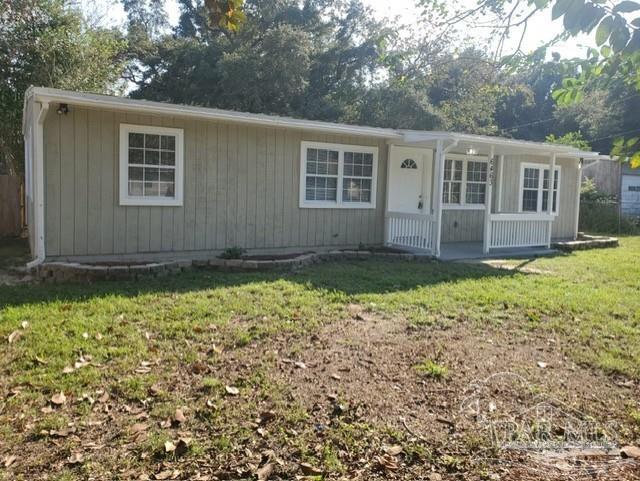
(352, 370)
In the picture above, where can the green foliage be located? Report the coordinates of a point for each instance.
(574, 139)
(432, 369)
(48, 43)
(227, 14)
(589, 192)
(232, 253)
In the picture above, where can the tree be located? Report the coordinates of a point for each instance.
(574, 139)
(48, 43)
(614, 64)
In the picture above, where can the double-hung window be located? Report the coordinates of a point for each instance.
(337, 175)
(534, 188)
(465, 182)
(151, 165)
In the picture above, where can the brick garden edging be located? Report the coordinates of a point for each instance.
(75, 271)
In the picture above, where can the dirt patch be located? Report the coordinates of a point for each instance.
(366, 366)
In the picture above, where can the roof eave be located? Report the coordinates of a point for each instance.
(159, 108)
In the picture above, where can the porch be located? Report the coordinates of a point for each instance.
(461, 196)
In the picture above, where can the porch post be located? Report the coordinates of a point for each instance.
(487, 203)
(499, 184)
(386, 204)
(437, 192)
(552, 168)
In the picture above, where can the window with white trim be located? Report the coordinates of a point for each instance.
(336, 175)
(151, 165)
(534, 188)
(465, 182)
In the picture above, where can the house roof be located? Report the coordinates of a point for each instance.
(42, 94)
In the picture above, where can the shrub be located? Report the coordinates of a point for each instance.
(232, 253)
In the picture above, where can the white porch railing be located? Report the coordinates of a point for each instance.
(410, 230)
(519, 230)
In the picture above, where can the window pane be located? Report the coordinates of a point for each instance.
(168, 142)
(135, 189)
(455, 192)
(166, 189)
(445, 192)
(321, 188)
(151, 141)
(356, 190)
(151, 189)
(312, 155)
(136, 156)
(457, 172)
(167, 175)
(151, 174)
(477, 171)
(475, 193)
(135, 173)
(530, 200)
(136, 140)
(447, 169)
(168, 158)
(531, 178)
(152, 157)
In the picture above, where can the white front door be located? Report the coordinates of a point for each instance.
(410, 180)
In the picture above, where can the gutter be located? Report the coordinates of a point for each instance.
(37, 134)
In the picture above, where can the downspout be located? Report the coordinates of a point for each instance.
(38, 177)
(440, 154)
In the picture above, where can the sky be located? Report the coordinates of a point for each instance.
(541, 27)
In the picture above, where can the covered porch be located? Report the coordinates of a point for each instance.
(461, 196)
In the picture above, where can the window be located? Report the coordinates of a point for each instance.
(334, 175)
(151, 165)
(534, 188)
(408, 164)
(465, 182)
(634, 188)
(476, 182)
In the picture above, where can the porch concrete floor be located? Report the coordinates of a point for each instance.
(455, 251)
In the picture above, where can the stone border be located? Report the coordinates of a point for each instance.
(75, 271)
(587, 242)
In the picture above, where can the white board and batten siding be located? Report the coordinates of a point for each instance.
(241, 188)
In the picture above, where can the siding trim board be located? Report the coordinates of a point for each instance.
(243, 181)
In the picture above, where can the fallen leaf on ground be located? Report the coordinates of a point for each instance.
(98, 337)
(59, 399)
(9, 460)
(179, 417)
(309, 470)
(138, 427)
(168, 474)
(14, 336)
(393, 450)
(630, 452)
(75, 458)
(389, 463)
(68, 370)
(24, 324)
(234, 391)
(300, 365)
(182, 446)
(264, 472)
(542, 365)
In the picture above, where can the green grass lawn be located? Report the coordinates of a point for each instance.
(590, 300)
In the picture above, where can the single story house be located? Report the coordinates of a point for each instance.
(111, 178)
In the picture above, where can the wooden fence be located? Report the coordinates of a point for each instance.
(12, 217)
